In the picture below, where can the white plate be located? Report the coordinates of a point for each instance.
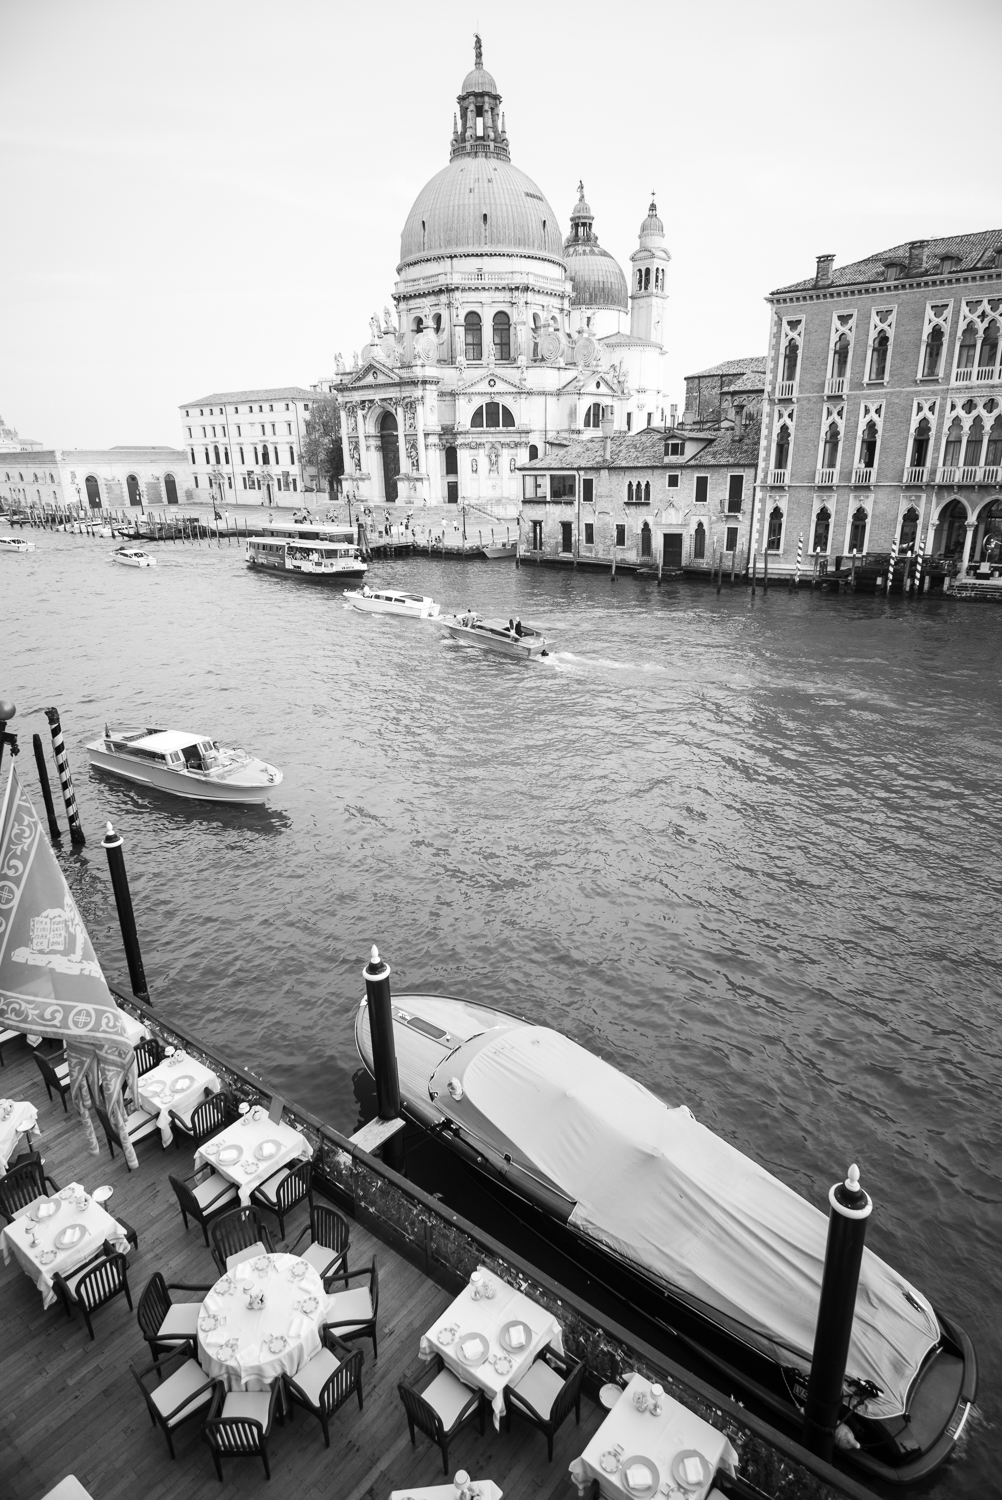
(228, 1155)
(266, 1150)
(184, 1082)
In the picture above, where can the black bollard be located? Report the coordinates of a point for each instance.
(7, 737)
(126, 916)
(43, 777)
(850, 1209)
(384, 1052)
(754, 566)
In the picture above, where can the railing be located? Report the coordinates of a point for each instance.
(987, 373)
(969, 474)
(835, 385)
(784, 389)
(990, 474)
(826, 477)
(915, 475)
(963, 377)
(778, 477)
(860, 475)
(948, 475)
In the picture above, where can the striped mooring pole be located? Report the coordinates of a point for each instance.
(800, 558)
(65, 779)
(890, 565)
(919, 557)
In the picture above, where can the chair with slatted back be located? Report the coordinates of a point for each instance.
(352, 1314)
(149, 1054)
(93, 1284)
(56, 1076)
(203, 1196)
(326, 1381)
(546, 1394)
(327, 1251)
(280, 1193)
(167, 1325)
(239, 1236)
(239, 1424)
(442, 1408)
(187, 1392)
(5, 1038)
(212, 1115)
(22, 1185)
(139, 1126)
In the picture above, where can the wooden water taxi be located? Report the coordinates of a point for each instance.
(510, 638)
(133, 557)
(16, 544)
(184, 764)
(388, 602)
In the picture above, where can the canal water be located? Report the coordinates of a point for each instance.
(744, 849)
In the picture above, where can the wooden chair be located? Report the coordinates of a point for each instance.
(93, 1284)
(167, 1325)
(442, 1408)
(547, 1391)
(56, 1076)
(327, 1251)
(22, 1185)
(280, 1193)
(207, 1118)
(326, 1381)
(352, 1314)
(5, 1038)
(149, 1053)
(239, 1424)
(138, 1124)
(203, 1196)
(186, 1392)
(242, 1233)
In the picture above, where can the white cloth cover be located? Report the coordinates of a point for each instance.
(158, 1096)
(16, 1117)
(667, 1194)
(236, 1350)
(98, 1227)
(248, 1133)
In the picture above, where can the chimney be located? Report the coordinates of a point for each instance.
(824, 271)
(917, 252)
(673, 415)
(608, 423)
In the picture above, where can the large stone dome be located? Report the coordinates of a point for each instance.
(478, 204)
(597, 277)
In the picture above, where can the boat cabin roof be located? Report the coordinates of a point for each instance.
(168, 739)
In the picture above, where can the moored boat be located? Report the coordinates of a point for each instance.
(184, 764)
(389, 602)
(713, 1248)
(516, 638)
(16, 544)
(308, 551)
(133, 557)
(495, 550)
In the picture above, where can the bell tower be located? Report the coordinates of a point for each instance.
(647, 291)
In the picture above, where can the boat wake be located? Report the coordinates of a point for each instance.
(569, 661)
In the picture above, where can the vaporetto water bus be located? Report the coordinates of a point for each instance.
(185, 764)
(309, 551)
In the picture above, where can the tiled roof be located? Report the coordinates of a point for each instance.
(729, 451)
(646, 450)
(749, 382)
(969, 248)
(282, 393)
(733, 367)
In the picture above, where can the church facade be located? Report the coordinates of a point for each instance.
(505, 339)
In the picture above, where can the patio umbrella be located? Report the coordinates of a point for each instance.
(51, 983)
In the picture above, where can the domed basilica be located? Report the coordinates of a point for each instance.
(507, 338)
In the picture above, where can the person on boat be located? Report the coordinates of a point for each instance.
(366, 591)
(518, 627)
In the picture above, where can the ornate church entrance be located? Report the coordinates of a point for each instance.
(391, 455)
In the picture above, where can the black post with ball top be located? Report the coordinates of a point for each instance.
(384, 1053)
(126, 916)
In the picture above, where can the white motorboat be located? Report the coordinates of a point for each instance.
(133, 557)
(185, 764)
(515, 638)
(16, 544)
(389, 602)
(494, 550)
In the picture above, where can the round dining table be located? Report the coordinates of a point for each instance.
(261, 1320)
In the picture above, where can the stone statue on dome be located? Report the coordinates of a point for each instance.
(339, 364)
(388, 324)
(374, 328)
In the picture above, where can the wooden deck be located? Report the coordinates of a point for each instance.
(71, 1407)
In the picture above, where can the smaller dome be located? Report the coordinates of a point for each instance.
(596, 276)
(652, 224)
(479, 81)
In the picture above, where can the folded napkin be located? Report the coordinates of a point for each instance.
(516, 1336)
(692, 1470)
(214, 1338)
(299, 1326)
(248, 1355)
(471, 1348)
(639, 1476)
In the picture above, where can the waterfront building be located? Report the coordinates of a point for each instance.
(506, 336)
(98, 478)
(884, 407)
(11, 443)
(248, 445)
(674, 496)
(727, 391)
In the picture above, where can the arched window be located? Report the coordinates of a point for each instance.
(265, 457)
(226, 455)
(829, 453)
(991, 536)
(593, 415)
(968, 344)
(868, 446)
(629, 493)
(132, 485)
(451, 461)
(878, 356)
(93, 491)
(782, 455)
(647, 493)
(436, 322)
(170, 487)
(215, 449)
(993, 453)
(699, 541)
(640, 280)
(822, 529)
(857, 531)
(954, 439)
(933, 351)
(951, 530)
(840, 357)
(920, 444)
(492, 414)
(533, 452)
(193, 457)
(774, 538)
(208, 460)
(989, 355)
(791, 357)
(502, 335)
(645, 540)
(909, 530)
(975, 441)
(474, 336)
(417, 325)
(647, 278)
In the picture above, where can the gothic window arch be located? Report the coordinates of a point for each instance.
(784, 438)
(989, 352)
(868, 445)
(473, 329)
(953, 444)
(840, 348)
(699, 542)
(593, 415)
(774, 534)
(492, 414)
(934, 332)
(967, 347)
(974, 444)
(933, 358)
(501, 329)
(629, 492)
(880, 338)
(647, 492)
(830, 446)
(840, 357)
(791, 360)
(822, 529)
(993, 450)
(909, 530)
(921, 438)
(857, 529)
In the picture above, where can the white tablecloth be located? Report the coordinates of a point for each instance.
(488, 1316)
(98, 1226)
(483, 1489)
(159, 1092)
(250, 1134)
(237, 1351)
(640, 1435)
(16, 1117)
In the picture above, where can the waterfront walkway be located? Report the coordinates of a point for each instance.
(71, 1406)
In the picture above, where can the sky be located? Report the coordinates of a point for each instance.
(208, 195)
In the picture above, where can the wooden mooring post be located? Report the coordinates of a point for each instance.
(43, 778)
(65, 779)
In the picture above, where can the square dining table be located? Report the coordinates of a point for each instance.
(17, 1117)
(41, 1261)
(177, 1083)
(467, 1316)
(630, 1437)
(264, 1146)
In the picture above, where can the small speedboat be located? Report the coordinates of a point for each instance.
(714, 1249)
(517, 639)
(133, 557)
(188, 765)
(388, 602)
(16, 544)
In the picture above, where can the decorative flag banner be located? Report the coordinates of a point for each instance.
(51, 983)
